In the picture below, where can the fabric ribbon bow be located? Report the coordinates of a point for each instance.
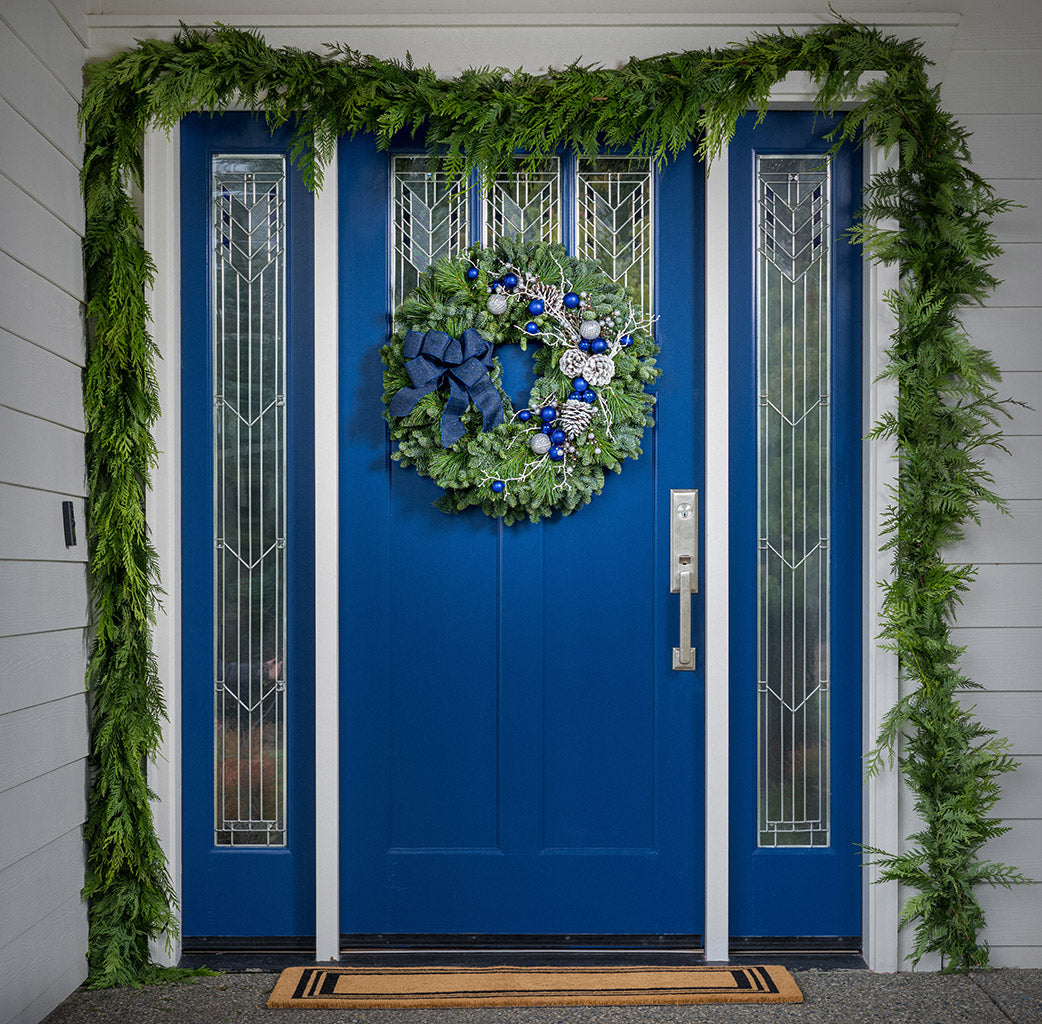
(436, 358)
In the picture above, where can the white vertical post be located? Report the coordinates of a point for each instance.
(327, 575)
(880, 679)
(717, 558)
(162, 224)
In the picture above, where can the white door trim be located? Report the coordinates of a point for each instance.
(161, 207)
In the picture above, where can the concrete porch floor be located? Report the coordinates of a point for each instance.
(832, 995)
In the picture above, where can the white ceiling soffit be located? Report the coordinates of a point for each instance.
(451, 40)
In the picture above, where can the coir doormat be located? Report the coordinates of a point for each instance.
(420, 987)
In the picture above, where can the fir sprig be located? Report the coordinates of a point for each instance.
(945, 421)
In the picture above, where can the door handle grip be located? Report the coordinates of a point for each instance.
(684, 655)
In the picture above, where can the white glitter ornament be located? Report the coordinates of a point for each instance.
(573, 363)
(574, 417)
(590, 329)
(497, 304)
(540, 443)
(599, 370)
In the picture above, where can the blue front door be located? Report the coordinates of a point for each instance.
(518, 756)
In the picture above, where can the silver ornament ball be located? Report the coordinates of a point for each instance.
(590, 329)
(540, 443)
(497, 304)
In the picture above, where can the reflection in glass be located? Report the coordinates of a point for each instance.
(248, 298)
(793, 500)
(429, 220)
(525, 204)
(614, 220)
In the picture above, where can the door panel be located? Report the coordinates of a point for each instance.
(247, 572)
(800, 699)
(518, 756)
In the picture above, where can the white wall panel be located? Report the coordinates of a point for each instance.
(1004, 658)
(1017, 475)
(39, 884)
(39, 25)
(1020, 789)
(1017, 716)
(33, 525)
(50, 595)
(1004, 595)
(1024, 222)
(74, 14)
(1013, 84)
(37, 310)
(1005, 145)
(33, 236)
(45, 808)
(1003, 538)
(1018, 271)
(40, 667)
(39, 739)
(40, 383)
(1012, 914)
(62, 938)
(38, 453)
(28, 86)
(1011, 335)
(49, 176)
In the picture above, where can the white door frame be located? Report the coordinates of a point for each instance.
(161, 204)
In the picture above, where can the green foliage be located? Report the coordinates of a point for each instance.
(931, 215)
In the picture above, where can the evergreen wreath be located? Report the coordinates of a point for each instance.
(588, 408)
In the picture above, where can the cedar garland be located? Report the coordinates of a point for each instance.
(947, 416)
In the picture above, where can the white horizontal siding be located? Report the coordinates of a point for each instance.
(43, 706)
(41, 667)
(27, 980)
(1002, 658)
(38, 311)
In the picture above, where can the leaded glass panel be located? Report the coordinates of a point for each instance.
(525, 204)
(249, 453)
(614, 220)
(429, 220)
(792, 206)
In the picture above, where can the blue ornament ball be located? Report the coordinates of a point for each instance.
(548, 414)
(558, 436)
(571, 300)
(498, 486)
(556, 453)
(532, 327)
(590, 396)
(510, 280)
(584, 345)
(548, 428)
(472, 273)
(536, 307)
(579, 384)
(575, 397)
(625, 341)
(598, 345)
(524, 415)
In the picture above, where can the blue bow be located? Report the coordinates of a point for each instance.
(435, 358)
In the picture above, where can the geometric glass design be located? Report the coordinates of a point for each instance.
(792, 215)
(614, 229)
(525, 204)
(249, 498)
(429, 220)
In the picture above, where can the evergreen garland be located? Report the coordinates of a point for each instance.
(497, 470)
(947, 413)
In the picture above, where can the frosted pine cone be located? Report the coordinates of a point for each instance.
(573, 363)
(575, 417)
(599, 370)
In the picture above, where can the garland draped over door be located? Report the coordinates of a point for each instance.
(941, 239)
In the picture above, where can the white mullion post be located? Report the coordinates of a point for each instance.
(162, 238)
(880, 676)
(717, 557)
(327, 573)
